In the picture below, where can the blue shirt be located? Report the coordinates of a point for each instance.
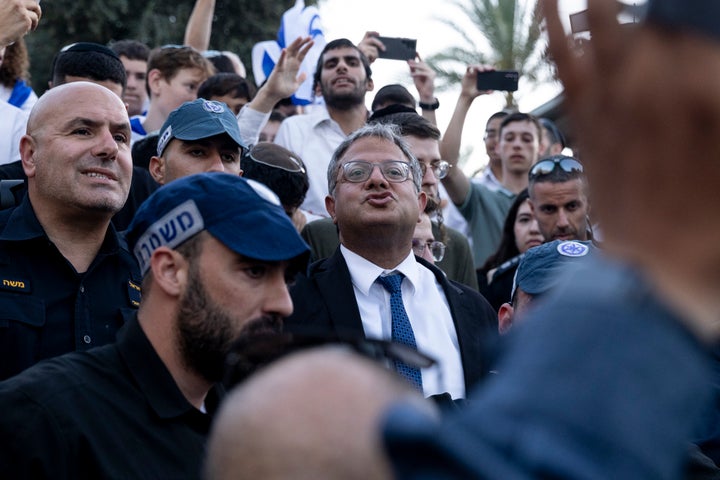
(602, 381)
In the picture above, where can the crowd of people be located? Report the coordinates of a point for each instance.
(168, 225)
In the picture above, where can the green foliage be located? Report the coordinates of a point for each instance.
(505, 34)
(237, 26)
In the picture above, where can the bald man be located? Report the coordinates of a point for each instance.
(330, 428)
(67, 276)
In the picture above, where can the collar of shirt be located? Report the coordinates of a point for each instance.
(23, 225)
(153, 377)
(319, 116)
(363, 273)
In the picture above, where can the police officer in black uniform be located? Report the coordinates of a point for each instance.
(67, 279)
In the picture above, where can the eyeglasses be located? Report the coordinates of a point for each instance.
(440, 169)
(252, 352)
(359, 171)
(547, 166)
(437, 249)
(295, 165)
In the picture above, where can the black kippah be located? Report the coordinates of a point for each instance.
(390, 110)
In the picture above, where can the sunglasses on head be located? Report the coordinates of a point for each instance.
(295, 166)
(547, 166)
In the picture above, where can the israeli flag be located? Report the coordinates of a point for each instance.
(298, 21)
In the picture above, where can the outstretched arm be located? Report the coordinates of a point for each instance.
(199, 26)
(424, 78)
(456, 182)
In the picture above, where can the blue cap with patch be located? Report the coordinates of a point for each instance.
(245, 215)
(197, 120)
(541, 267)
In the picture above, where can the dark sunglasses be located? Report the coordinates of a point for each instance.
(547, 166)
(250, 353)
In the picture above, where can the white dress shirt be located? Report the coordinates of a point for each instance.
(13, 122)
(427, 309)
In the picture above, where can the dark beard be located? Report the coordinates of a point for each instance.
(205, 331)
(345, 101)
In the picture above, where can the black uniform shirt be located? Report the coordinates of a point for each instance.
(112, 412)
(47, 308)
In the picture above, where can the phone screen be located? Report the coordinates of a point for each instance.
(398, 48)
(505, 80)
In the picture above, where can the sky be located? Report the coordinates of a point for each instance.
(419, 19)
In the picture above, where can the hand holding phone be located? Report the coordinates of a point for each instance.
(504, 80)
(398, 48)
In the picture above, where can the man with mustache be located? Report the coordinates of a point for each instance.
(215, 251)
(68, 279)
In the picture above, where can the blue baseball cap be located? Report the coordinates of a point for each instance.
(245, 215)
(197, 120)
(541, 268)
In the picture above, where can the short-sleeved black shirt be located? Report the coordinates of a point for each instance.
(111, 412)
(47, 308)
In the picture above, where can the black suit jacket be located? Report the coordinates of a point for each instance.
(324, 302)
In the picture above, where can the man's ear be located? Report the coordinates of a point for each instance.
(153, 80)
(370, 85)
(27, 155)
(169, 270)
(505, 318)
(330, 207)
(543, 144)
(157, 169)
(422, 202)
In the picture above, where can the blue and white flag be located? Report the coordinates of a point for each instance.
(298, 21)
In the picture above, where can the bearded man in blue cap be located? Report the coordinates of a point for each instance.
(215, 251)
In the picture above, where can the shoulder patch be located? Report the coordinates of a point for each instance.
(134, 293)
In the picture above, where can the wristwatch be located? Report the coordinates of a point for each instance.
(430, 106)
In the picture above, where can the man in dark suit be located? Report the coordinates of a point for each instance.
(376, 210)
(424, 140)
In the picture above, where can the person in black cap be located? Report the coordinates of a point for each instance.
(198, 136)
(393, 94)
(91, 62)
(282, 171)
(215, 251)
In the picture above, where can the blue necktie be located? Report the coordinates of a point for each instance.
(401, 329)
